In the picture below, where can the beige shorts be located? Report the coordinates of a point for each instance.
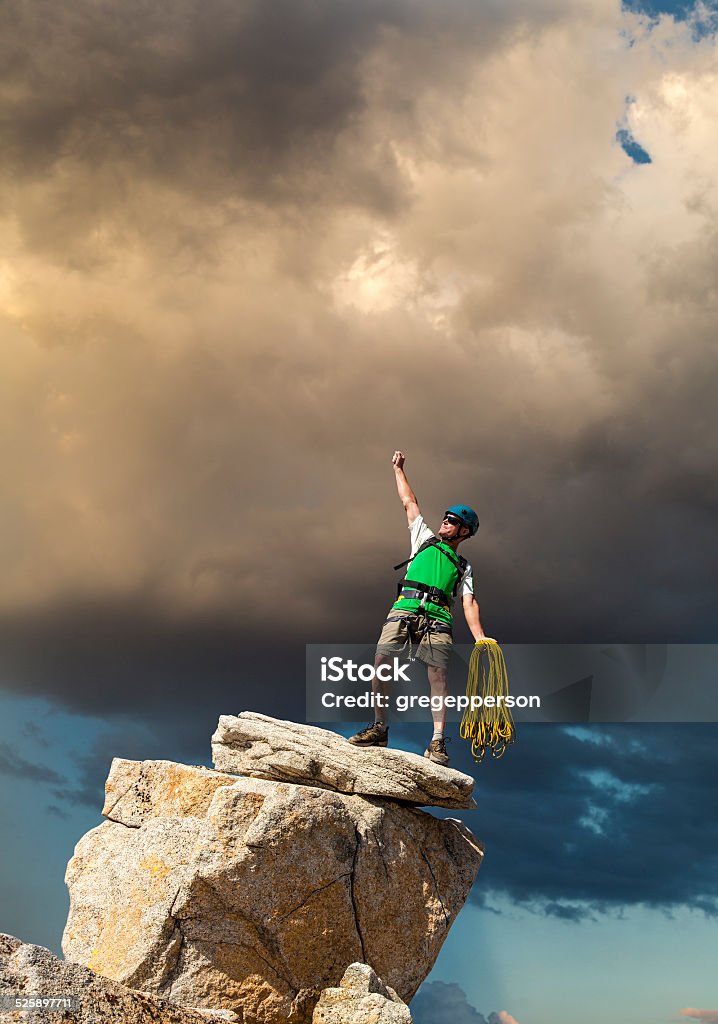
(405, 634)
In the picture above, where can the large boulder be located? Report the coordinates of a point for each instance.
(254, 895)
(30, 971)
(267, 748)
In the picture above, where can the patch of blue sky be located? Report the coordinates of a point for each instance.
(43, 734)
(553, 969)
(702, 14)
(681, 10)
(52, 767)
(625, 138)
(632, 148)
(42, 819)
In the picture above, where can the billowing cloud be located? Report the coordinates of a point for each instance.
(707, 1016)
(440, 1002)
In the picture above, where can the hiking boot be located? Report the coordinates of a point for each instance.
(436, 751)
(375, 735)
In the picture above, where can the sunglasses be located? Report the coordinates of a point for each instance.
(454, 520)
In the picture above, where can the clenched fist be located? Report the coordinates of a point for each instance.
(398, 460)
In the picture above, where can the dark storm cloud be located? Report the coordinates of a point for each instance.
(14, 765)
(107, 659)
(57, 812)
(219, 100)
(133, 740)
(210, 391)
(278, 72)
(215, 102)
(439, 1002)
(579, 822)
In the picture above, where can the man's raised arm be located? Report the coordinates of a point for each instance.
(407, 496)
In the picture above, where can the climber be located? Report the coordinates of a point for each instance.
(419, 622)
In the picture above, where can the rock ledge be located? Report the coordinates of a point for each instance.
(268, 748)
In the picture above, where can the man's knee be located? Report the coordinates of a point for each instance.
(438, 677)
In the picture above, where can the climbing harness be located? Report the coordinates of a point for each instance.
(424, 628)
(421, 593)
(487, 727)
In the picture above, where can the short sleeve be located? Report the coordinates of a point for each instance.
(419, 533)
(467, 582)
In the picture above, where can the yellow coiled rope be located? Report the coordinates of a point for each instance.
(491, 727)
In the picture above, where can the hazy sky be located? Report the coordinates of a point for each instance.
(248, 250)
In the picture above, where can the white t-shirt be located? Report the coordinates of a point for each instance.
(420, 533)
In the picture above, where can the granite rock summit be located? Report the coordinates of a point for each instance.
(254, 895)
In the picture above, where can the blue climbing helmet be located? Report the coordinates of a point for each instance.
(467, 516)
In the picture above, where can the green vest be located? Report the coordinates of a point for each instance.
(433, 569)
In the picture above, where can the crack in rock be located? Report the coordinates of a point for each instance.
(108, 814)
(447, 917)
(353, 898)
(321, 888)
